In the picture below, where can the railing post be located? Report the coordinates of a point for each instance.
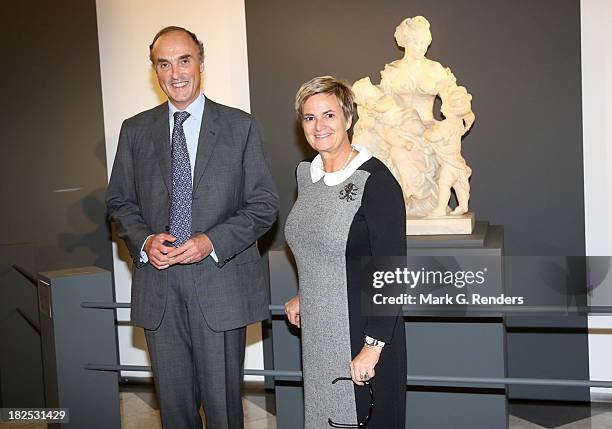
(72, 337)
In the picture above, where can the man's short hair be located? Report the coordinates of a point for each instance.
(326, 85)
(172, 28)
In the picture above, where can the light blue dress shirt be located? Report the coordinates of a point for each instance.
(191, 127)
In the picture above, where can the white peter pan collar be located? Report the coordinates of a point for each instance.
(337, 177)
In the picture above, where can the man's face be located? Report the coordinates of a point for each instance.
(178, 67)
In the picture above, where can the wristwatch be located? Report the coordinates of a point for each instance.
(373, 342)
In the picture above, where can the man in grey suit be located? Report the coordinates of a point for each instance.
(191, 192)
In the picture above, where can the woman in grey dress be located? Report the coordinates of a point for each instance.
(349, 205)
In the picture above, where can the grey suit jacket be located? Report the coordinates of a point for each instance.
(234, 202)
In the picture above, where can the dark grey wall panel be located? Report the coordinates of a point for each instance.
(520, 60)
(21, 375)
(52, 137)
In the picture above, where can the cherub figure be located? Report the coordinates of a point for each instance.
(372, 103)
(445, 139)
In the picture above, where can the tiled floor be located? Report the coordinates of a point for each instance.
(560, 415)
(601, 421)
(139, 410)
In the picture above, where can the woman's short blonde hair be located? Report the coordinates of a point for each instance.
(326, 85)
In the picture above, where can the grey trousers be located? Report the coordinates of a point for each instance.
(193, 365)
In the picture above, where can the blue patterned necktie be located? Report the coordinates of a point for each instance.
(180, 208)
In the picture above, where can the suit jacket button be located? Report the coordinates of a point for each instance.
(167, 228)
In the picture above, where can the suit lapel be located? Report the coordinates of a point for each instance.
(209, 132)
(161, 140)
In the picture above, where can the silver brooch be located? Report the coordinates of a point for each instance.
(349, 192)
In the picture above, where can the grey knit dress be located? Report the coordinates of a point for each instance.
(318, 230)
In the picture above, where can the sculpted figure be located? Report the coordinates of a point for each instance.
(445, 138)
(372, 104)
(415, 81)
(412, 158)
(407, 91)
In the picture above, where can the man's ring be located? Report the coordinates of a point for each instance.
(365, 377)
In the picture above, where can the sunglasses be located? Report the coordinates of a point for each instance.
(362, 424)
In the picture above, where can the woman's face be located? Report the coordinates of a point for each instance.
(414, 41)
(324, 124)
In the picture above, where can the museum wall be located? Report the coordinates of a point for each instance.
(520, 60)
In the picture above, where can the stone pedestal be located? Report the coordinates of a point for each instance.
(444, 225)
(463, 344)
(72, 337)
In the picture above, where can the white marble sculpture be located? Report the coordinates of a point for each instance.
(445, 138)
(396, 123)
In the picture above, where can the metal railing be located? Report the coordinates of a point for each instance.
(411, 380)
(278, 310)
(32, 281)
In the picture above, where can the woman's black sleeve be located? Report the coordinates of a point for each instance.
(385, 214)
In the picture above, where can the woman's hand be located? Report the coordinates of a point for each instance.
(292, 310)
(362, 367)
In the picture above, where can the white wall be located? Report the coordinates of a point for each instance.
(125, 30)
(596, 16)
